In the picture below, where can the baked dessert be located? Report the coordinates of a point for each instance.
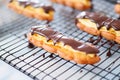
(77, 4)
(99, 24)
(32, 9)
(52, 41)
(117, 7)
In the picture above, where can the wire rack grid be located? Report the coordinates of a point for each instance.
(41, 66)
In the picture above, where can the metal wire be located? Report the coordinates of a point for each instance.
(38, 64)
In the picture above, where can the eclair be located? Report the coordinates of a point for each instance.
(77, 4)
(32, 9)
(52, 41)
(99, 24)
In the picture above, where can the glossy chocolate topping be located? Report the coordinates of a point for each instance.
(101, 20)
(10, 0)
(36, 4)
(58, 37)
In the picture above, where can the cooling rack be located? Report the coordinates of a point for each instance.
(41, 65)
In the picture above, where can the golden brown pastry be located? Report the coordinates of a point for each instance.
(117, 7)
(67, 48)
(100, 25)
(77, 4)
(32, 9)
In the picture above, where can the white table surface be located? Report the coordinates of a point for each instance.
(9, 73)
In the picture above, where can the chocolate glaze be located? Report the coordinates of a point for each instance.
(109, 49)
(81, 71)
(108, 53)
(43, 55)
(25, 35)
(58, 37)
(95, 41)
(25, 3)
(30, 45)
(47, 8)
(100, 20)
(91, 40)
(10, 0)
(76, 21)
(51, 56)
